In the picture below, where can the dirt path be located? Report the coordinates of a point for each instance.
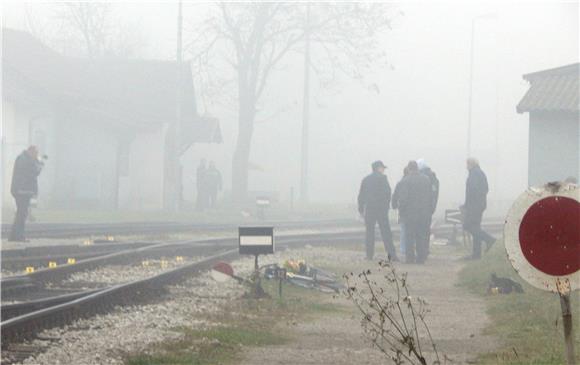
(456, 321)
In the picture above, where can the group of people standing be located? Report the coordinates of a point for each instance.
(208, 184)
(415, 197)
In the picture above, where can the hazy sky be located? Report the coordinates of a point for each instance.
(421, 110)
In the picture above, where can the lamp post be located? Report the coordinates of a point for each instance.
(176, 165)
(471, 52)
(305, 112)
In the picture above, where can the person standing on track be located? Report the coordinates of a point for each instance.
(373, 204)
(476, 189)
(24, 186)
(415, 207)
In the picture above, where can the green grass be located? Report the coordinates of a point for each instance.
(528, 326)
(245, 323)
(204, 347)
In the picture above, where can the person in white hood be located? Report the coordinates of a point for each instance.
(425, 170)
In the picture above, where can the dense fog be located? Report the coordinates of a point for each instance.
(412, 104)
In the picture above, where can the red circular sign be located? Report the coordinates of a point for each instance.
(550, 235)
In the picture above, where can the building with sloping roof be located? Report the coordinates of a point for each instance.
(554, 134)
(106, 124)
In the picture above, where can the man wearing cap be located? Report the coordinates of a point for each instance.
(373, 204)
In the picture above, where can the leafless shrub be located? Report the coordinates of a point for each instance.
(392, 319)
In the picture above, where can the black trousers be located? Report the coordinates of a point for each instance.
(371, 220)
(212, 199)
(22, 205)
(417, 233)
(473, 226)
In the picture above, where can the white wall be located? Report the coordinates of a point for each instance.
(15, 138)
(554, 148)
(142, 189)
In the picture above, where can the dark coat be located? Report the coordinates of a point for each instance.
(200, 178)
(415, 198)
(25, 175)
(396, 195)
(434, 186)
(213, 179)
(476, 190)
(374, 195)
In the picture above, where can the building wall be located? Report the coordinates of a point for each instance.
(22, 126)
(86, 165)
(554, 147)
(14, 140)
(142, 187)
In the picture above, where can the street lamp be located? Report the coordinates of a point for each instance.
(470, 102)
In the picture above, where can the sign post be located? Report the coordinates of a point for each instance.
(256, 241)
(542, 240)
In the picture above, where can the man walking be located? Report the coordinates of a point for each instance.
(476, 190)
(415, 207)
(24, 186)
(214, 184)
(373, 204)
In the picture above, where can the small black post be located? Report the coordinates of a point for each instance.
(280, 287)
(568, 333)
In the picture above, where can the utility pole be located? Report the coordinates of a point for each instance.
(470, 102)
(177, 188)
(305, 112)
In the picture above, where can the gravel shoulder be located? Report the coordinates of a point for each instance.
(457, 320)
(333, 337)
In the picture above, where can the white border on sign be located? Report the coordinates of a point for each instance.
(541, 280)
(256, 241)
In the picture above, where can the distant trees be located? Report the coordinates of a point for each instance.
(252, 39)
(90, 29)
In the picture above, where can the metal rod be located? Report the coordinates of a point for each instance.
(568, 330)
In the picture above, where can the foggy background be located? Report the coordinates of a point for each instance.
(413, 107)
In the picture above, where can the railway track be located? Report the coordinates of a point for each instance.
(27, 319)
(62, 230)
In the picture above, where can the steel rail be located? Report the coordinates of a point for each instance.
(138, 291)
(62, 230)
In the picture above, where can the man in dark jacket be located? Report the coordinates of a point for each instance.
(24, 186)
(476, 190)
(373, 204)
(415, 207)
(395, 205)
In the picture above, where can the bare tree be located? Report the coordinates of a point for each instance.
(90, 29)
(392, 320)
(253, 39)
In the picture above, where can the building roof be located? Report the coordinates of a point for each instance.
(553, 90)
(134, 93)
